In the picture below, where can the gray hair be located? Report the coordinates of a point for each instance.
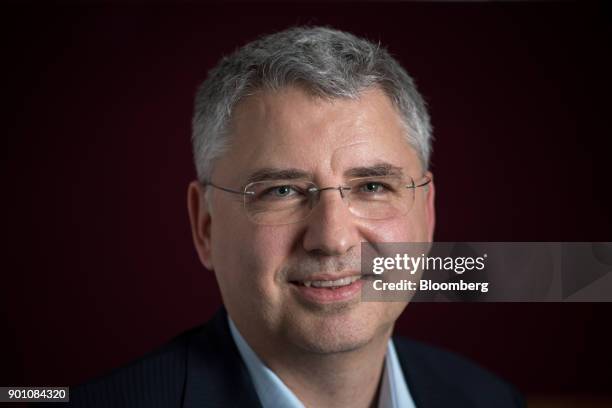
(328, 63)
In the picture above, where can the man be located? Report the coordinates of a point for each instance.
(307, 143)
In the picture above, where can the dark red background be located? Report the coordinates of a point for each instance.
(98, 266)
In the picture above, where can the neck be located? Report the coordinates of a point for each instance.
(348, 378)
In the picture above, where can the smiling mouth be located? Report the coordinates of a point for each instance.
(331, 284)
(322, 289)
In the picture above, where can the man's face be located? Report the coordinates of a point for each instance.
(261, 268)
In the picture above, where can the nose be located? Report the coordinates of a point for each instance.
(331, 228)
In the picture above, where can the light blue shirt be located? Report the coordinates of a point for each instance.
(273, 393)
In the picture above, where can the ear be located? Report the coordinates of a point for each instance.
(430, 210)
(199, 216)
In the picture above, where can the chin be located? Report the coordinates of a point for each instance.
(341, 328)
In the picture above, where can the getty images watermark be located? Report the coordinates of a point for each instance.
(487, 271)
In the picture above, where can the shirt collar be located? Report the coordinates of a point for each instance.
(272, 392)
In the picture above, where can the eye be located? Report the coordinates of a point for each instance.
(373, 187)
(282, 191)
(279, 192)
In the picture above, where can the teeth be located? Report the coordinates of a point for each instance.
(332, 284)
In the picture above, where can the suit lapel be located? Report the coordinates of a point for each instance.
(216, 374)
(427, 388)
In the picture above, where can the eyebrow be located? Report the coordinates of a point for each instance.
(270, 173)
(376, 170)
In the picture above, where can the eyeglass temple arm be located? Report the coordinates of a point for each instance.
(229, 190)
(422, 184)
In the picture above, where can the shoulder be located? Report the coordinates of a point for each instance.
(439, 375)
(199, 368)
(154, 380)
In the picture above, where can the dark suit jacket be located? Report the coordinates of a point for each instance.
(203, 368)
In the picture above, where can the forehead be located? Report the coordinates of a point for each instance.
(291, 128)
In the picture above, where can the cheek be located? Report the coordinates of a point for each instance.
(252, 253)
(269, 248)
(411, 228)
(245, 260)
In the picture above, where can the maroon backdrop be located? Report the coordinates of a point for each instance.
(97, 261)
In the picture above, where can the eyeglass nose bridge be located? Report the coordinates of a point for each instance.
(315, 191)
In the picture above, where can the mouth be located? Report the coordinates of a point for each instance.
(329, 289)
(330, 284)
